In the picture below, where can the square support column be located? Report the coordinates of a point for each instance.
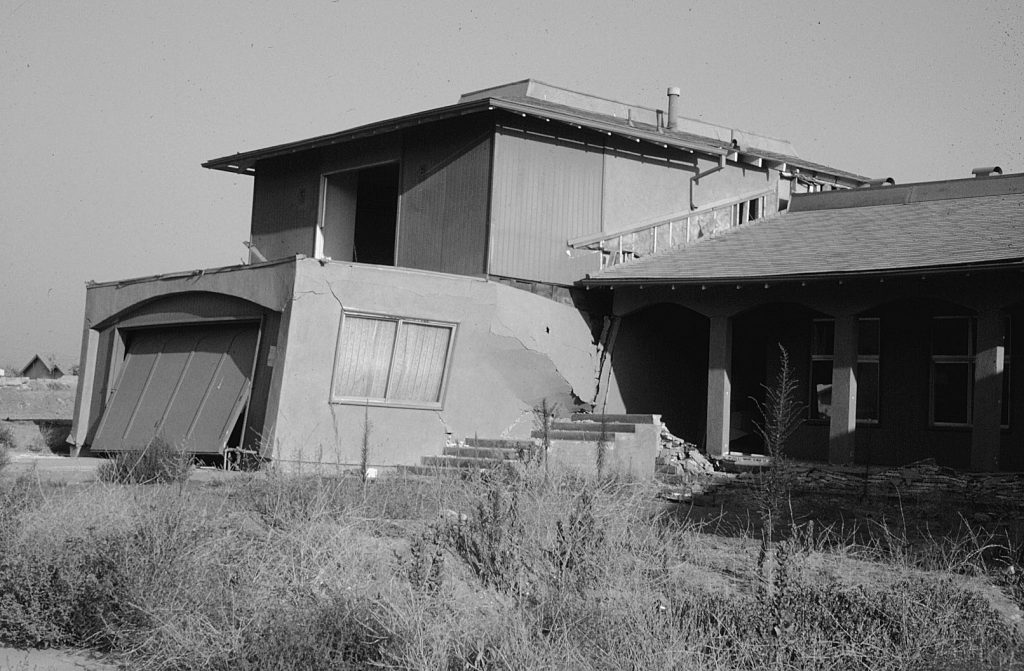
(842, 425)
(719, 385)
(989, 362)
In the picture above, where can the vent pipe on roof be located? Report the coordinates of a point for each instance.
(673, 107)
(987, 171)
(881, 181)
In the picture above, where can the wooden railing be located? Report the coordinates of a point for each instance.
(683, 228)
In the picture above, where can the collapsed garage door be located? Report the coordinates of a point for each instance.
(186, 385)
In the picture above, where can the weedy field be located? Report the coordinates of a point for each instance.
(515, 569)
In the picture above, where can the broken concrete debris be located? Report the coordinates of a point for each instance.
(679, 457)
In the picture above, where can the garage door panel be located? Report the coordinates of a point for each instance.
(231, 389)
(128, 390)
(182, 384)
(165, 377)
(201, 369)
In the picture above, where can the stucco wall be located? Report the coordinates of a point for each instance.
(512, 349)
(267, 285)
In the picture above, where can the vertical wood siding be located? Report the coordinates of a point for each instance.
(285, 200)
(286, 192)
(443, 213)
(546, 191)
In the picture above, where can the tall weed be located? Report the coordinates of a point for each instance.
(157, 462)
(280, 573)
(781, 415)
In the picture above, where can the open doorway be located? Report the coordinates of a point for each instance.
(359, 215)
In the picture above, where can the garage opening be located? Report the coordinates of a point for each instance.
(359, 217)
(186, 385)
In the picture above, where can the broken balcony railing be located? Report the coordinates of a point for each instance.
(680, 229)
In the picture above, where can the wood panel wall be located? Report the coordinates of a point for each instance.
(285, 201)
(546, 190)
(446, 172)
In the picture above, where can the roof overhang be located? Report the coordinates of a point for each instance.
(245, 162)
(803, 278)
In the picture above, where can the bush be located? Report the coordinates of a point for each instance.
(6, 437)
(319, 573)
(157, 462)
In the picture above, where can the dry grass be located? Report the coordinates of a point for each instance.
(525, 571)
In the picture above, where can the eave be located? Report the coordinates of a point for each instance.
(803, 278)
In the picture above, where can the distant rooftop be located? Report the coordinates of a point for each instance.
(885, 230)
(536, 99)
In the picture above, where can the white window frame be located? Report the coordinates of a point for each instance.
(873, 359)
(385, 402)
(966, 359)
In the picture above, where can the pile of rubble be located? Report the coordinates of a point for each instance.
(919, 479)
(678, 457)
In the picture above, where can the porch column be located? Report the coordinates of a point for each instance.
(719, 385)
(842, 425)
(988, 391)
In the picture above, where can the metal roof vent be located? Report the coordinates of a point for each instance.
(673, 107)
(987, 171)
(881, 181)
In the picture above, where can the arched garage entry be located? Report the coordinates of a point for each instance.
(660, 361)
(190, 369)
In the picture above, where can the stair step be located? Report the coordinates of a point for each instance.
(626, 419)
(451, 461)
(500, 443)
(593, 435)
(586, 425)
(497, 453)
(432, 471)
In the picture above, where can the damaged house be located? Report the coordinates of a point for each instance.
(440, 274)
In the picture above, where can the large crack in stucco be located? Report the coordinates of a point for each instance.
(509, 333)
(567, 397)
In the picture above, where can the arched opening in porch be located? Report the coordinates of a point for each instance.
(757, 334)
(660, 363)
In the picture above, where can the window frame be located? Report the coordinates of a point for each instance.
(862, 359)
(967, 359)
(1007, 398)
(398, 320)
(970, 359)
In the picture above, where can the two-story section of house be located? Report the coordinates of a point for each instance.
(417, 274)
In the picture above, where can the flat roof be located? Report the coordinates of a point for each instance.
(543, 101)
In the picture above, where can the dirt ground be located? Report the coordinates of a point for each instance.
(12, 659)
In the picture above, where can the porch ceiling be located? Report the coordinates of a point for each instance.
(932, 236)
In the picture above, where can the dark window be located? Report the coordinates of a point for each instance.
(952, 370)
(822, 358)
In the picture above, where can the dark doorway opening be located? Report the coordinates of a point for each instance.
(360, 215)
(376, 215)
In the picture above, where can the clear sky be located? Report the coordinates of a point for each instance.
(108, 108)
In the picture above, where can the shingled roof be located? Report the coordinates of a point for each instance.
(926, 227)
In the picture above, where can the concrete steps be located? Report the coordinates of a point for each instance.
(631, 443)
(624, 419)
